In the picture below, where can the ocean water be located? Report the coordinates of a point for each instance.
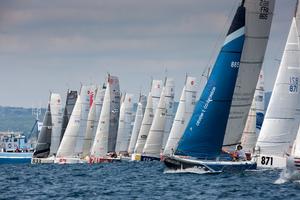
(137, 180)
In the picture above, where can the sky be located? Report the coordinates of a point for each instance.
(60, 44)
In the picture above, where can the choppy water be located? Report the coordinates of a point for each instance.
(136, 181)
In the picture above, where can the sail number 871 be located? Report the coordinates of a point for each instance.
(235, 64)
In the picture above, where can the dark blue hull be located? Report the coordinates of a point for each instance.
(149, 158)
(176, 163)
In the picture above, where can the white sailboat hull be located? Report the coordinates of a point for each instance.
(270, 161)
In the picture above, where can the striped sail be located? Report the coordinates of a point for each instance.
(204, 134)
(169, 99)
(145, 127)
(258, 22)
(125, 124)
(56, 117)
(137, 122)
(282, 117)
(67, 145)
(184, 111)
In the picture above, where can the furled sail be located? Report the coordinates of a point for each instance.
(184, 111)
(203, 137)
(42, 149)
(137, 122)
(125, 124)
(258, 22)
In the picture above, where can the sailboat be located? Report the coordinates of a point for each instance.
(184, 111)
(154, 95)
(201, 144)
(105, 139)
(48, 140)
(66, 150)
(154, 142)
(137, 123)
(125, 125)
(282, 118)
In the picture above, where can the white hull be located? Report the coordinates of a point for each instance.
(271, 162)
(49, 160)
(66, 160)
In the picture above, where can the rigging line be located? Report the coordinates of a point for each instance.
(220, 37)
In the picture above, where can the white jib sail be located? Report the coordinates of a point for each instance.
(259, 97)
(145, 127)
(67, 145)
(282, 117)
(86, 95)
(125, 124)
(169, 100)
(56, 117)
(154, 141)
(258, 23)
(184, 112)
(137, 123)
(100, 144)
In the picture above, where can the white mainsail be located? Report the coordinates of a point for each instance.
(137, 123)
(184, 111)
(125, 124)
(113, 81)
(56, 116)
(156, 89)
(145, 127)
(169, 100)
(282, 117)
(100, 144)
(258, 22)
(86, 95)
(67, 145)
(154, 140)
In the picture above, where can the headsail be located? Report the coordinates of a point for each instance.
(70, 102)
(203, 137)
(67, 145)
(156, 89)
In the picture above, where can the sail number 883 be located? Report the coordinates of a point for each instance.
(235, 64)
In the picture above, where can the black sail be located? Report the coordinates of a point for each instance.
(42, 149)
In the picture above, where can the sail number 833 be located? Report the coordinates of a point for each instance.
(235, 64)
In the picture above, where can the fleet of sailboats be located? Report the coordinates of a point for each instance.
(101, 126)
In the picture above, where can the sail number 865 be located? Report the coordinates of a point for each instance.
(235, 64)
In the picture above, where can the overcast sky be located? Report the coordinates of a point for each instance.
(54, 45)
